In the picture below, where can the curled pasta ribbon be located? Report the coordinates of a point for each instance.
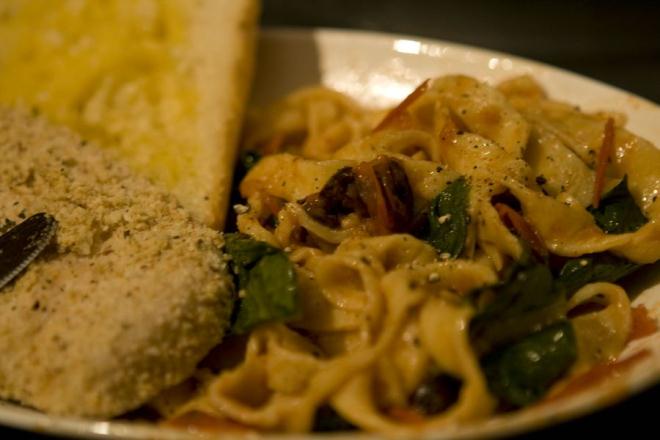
(494, 238)
(483, 110)
(313, 122)
(569, 230)
(600, 334)
(275, 175)
(448, 346)
(379, 313)
(441, 284)
(557, 169)
(258, 392)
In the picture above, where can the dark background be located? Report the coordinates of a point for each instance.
(617, 42)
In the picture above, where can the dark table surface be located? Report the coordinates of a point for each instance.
(617, 42)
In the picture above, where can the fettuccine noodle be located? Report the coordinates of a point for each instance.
(383, 309)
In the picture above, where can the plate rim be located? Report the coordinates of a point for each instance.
(333, 33)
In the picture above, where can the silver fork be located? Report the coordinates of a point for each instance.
(23, 243)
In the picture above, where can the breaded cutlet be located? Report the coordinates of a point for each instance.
(125, 302)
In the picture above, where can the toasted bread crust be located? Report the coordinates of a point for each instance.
(224, 75)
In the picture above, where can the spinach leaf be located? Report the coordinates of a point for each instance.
(524, 301)
(271, 293)
(618, 213)
(435, 394)
(268, 279)
(577, 272)
(245, 252)
(448, 218)
(247, 160)
(522, 373)
(327, 419)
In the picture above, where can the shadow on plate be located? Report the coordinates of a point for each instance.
(281, 72)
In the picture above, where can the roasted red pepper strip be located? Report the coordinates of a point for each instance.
(642, 324)
(273, 204)
(372, 195)
(274, 145)
(397, 112)
(524, 229)
(406, 415)
(603, 159)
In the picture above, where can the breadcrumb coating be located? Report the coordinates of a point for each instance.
(125, 303)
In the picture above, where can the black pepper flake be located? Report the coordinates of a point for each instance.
(438, 169)
(127, 233)
(22, 215)
(541, 180)
(365, 260)
(36, 305)
(459, 132)
(412, 285)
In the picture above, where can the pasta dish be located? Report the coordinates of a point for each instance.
(449, 259)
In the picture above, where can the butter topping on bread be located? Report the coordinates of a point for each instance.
(161, 82)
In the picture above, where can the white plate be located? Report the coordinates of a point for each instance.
(379, 70)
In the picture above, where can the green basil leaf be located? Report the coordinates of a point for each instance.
(267, 278)
(525, 301)
(578, 272)
(448, 218)
(271, 294)
(617, 212)
(327, 419)
(247, 160)
(245, 252)
(523, 372)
